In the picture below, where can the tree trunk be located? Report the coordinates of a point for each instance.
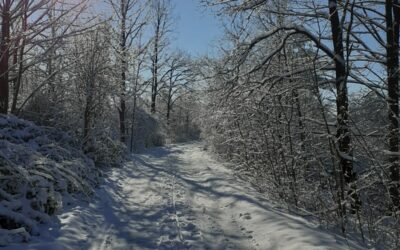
(392, 50)
(342, 133)
(154, 88)
(169, 101)
(168, 110)
(156, 51)
(122, 111)
(4, 50)
(18, 81)
(122, 108)
(134, 105)
(52, 53)
(87, 123)
(133, 122)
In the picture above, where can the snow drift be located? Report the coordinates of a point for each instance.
(38, 167)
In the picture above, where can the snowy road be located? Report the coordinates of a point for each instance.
(178, 197)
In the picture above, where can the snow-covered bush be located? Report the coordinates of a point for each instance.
(38, 166)
(107, 152)
(148, 131)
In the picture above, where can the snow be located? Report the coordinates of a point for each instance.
(179, 197)
(38, 167)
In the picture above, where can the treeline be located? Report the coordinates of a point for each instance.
(98, 79)
(104, 71)
(304, 100)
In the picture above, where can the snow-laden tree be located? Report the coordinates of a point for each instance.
(130, 19)
(280, 106)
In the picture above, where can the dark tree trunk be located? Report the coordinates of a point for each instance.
(168, 110)
(87, 124)
(169, 101)
(52, 55)
(20, 57)
(342, 133)
(392, 50)
(156, 54)
(134, 106)
(122, 108)
(4, 50)
(154, 87)
(133, 122)
(122, 120)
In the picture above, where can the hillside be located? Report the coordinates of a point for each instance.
(40, 168)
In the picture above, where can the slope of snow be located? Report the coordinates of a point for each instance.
(38, 167)
(178, 197)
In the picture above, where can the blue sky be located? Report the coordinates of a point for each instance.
(197, 29)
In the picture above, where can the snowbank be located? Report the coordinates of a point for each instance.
(38, 167)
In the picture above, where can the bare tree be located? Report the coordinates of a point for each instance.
(29, 22)
(178, 77)
(161, 24)
(130, 18)
(139, 87)
(259, 61)
(91, 72)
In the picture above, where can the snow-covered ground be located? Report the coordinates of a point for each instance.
(178, 197)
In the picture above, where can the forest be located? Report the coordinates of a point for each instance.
(299, 100)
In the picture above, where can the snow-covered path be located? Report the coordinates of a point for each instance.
(178, 197)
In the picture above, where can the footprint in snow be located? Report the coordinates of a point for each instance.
(172, 236)
(64, 216)
(245, 216)
(190, 226)
(170, 220)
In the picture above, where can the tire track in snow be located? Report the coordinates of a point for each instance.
(179, 213)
